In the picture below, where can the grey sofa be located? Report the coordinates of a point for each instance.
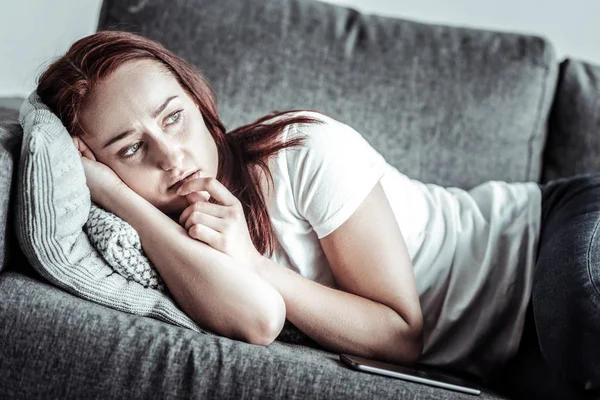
(445, 105)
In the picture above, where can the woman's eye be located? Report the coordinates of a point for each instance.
(135, 148)
(173, 118)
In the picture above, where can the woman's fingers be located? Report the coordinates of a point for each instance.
(204, 234)
(197, 217)
(211, 185)
(197, 196)
(204, 207)
(221, 225)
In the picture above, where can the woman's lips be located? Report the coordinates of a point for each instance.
(176, 186)
(190, 176)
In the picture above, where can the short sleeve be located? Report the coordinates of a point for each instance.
(332, 173)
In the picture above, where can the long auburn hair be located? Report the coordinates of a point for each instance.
(64, 85)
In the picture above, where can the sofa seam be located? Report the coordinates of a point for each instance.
(589, 269)
(536, 125)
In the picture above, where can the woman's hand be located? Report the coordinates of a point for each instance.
(100, 179)
(222, 226)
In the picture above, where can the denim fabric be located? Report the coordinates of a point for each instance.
(559, 354)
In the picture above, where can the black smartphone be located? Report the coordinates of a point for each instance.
(427, 377)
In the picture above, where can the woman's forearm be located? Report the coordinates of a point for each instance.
(217, 293)
(341, 321)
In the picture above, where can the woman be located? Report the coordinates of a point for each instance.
(278, 220)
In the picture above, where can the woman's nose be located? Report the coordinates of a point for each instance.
(169, 156)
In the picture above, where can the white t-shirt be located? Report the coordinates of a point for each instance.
(472, 251)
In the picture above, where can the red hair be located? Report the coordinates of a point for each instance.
(64, 85)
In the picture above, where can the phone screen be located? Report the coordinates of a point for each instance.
(423, 375)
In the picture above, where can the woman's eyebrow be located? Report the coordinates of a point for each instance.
(115, 139)
(123, 135)
(163, 106)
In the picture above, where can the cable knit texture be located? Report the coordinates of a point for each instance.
(58, 227)
(119, 244)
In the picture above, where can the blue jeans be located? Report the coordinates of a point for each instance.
(559, 354)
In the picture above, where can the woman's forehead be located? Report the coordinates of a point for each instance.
(134, 90)
(143, 81)
(137, 79)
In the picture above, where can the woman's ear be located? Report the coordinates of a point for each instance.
(83, 148)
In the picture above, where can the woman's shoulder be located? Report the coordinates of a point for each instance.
(315, 125)
(320, 135)
(314, 118)
(327, 132)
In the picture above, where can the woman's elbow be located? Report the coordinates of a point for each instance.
(417, 347)
(266, 334)
(415, 337)
(268, 325)
(408, 343)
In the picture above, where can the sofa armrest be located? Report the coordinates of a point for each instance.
(573, 143)
(10, 103)
(11, 136)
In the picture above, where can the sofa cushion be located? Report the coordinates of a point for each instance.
(446, 105)
(573, 142)
(53, 204)
(10, 145)
(55, 345)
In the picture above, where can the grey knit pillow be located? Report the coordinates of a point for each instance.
(119, 244)
(53, 204)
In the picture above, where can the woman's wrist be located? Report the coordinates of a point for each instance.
(118, 199)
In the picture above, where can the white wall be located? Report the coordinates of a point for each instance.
(34, 31)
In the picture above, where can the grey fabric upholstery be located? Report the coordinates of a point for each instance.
(10, 145)
(573, 143)
(66, 348)
(444, 105)
(8, 104)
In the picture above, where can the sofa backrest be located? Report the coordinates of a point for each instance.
(445, 105)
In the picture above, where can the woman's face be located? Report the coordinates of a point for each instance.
(145, 127)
